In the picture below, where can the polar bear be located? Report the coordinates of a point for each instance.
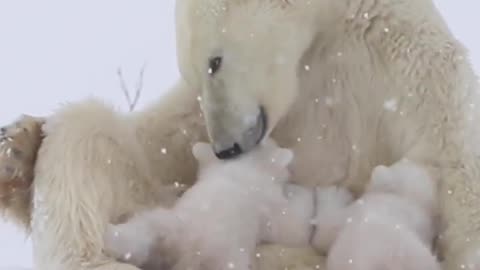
(396, 216)
(347, 85)
(217, 223)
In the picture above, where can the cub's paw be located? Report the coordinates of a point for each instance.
(19, 143)
(128, 243)
(333, 197)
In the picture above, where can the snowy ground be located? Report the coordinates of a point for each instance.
(54, 51)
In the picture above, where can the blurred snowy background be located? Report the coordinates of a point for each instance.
(55, 51)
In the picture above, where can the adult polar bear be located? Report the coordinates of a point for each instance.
(348, 84)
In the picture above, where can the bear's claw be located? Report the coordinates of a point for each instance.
(19, 143)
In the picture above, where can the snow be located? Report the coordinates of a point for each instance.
(391, 105)
(55, 51)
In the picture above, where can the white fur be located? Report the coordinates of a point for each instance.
(217, 223)
(96, 165)
(392, 226)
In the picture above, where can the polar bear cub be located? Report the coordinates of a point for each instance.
(392, 226)
(216, 224)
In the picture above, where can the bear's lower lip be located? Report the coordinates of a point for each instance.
(263, 121)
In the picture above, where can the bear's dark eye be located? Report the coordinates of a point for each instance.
(214, 65)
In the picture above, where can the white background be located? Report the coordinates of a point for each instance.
(55, 51)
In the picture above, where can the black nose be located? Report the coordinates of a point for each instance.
(231, 153)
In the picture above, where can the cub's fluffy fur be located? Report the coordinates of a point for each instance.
(217, 224)
(392, 226)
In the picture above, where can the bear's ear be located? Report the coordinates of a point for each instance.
(203, 152)
(283, 156)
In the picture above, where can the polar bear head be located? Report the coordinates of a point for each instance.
(244, 58)
(268, 161)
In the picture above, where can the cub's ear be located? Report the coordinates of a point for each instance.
(203, 152)
(382, 179)
(282, 156)
(270, 143)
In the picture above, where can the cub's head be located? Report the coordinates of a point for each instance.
(408, 180)
(268, 161)
(243, 57)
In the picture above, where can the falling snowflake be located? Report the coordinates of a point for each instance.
(231, 265)
(128, 256)
(386, 30)
(391, 105)
(329, 101)
(164, 151)
(307, 67)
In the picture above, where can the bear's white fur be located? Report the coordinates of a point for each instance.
(347, 85)
(233, 206)
(392, 226)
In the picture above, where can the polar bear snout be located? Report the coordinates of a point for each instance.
(229, 144)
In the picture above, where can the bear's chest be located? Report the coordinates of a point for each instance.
(324, 153)
(333, 144)
(320, 163)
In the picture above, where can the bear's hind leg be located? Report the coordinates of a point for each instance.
(85, 176)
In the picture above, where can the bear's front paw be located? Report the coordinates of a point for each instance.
(19, 143)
